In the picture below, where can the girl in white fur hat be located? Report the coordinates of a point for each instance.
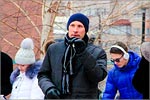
(24, 77)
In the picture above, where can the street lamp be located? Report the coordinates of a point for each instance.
(143, 24)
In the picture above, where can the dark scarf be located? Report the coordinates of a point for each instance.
(69, 54)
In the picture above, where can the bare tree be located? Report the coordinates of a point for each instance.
(36, 19)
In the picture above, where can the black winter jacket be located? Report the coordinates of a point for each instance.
(141, 78)
(89, 69)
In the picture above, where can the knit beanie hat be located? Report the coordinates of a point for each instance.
(145, 50)
(25, 54)
(81, 18)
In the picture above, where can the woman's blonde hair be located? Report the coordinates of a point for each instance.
(47, 44)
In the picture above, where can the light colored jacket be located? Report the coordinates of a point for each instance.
(25, 85)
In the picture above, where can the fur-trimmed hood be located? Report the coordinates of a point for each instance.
(145, 50)
(30, 73)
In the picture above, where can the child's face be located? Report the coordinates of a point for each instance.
(22, 68)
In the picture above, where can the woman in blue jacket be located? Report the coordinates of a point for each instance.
(120, 76)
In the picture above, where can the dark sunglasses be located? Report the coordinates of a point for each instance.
(116, 60)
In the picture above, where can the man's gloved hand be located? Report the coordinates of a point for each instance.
(53, 93)
(79, 45)
(71, 40)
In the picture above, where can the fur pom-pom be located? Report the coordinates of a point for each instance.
(27, 43)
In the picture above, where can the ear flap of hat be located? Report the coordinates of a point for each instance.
(126, 55)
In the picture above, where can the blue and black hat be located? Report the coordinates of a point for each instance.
(81, 18)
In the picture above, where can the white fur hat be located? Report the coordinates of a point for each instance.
(25, 54)
(145, 49)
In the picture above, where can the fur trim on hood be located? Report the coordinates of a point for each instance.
(145, 50)
(31, 72)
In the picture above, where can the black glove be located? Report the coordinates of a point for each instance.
(79, 45)
(71, 40)
(53, 93)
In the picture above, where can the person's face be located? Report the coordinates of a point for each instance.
(76, 29)
(22, 68)
(118, 59)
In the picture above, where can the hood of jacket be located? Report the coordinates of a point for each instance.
(30, 72)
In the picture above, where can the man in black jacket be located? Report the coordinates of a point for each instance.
(72, 68)
(141, 77)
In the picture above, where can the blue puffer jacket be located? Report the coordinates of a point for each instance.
(121, 79)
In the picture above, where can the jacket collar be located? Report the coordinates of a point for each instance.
(31, 72)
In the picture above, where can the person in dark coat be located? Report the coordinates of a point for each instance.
(141, 78)
(72, 68)
(6, 70)
(47, 44)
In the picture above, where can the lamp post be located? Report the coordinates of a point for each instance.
(143, 24)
